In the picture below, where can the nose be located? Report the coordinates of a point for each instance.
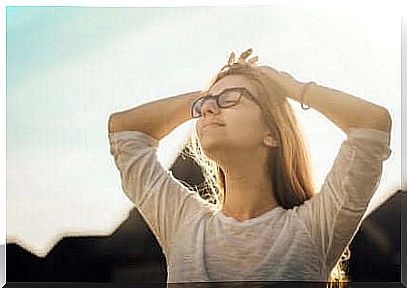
(211, 106)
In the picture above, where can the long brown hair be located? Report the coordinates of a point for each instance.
(289, 163)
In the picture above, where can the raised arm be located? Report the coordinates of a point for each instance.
(163, 201)
(334, 215)
(344, 110)
(157, 118)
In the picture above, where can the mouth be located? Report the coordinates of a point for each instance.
(210, 126)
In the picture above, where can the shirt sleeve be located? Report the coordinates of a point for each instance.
(333, 215)
(162, 200)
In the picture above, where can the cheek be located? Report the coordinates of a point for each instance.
(246, 125)
(247, 117)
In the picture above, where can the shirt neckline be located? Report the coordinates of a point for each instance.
(265, 216)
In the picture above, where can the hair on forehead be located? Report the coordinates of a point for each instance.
(243, 82)
(252, 78)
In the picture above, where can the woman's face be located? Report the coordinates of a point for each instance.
(241, 127)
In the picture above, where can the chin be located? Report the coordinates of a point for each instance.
(211, 148)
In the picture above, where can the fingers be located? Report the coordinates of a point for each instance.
(244, 55)
(242, 59)
(253, 60)
(231, 58)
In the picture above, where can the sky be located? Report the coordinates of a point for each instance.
(69, 68)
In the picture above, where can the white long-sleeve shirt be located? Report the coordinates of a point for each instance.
(202, 244)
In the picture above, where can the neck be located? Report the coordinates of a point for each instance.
(249, 192)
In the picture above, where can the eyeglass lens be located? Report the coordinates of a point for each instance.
(226, 99)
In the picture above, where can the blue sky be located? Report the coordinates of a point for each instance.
(69, 68)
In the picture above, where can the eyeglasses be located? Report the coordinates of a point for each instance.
(227, 98)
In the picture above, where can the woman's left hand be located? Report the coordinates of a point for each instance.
(288, 83)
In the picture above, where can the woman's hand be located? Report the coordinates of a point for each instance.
(291, 86)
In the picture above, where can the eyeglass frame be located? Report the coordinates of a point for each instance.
(216, 96)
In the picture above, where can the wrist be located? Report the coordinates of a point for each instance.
(304, 95)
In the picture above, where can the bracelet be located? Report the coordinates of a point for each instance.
(303, 95)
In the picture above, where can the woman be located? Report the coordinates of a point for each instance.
(267, 223)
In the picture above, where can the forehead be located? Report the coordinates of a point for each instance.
(231, 81)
